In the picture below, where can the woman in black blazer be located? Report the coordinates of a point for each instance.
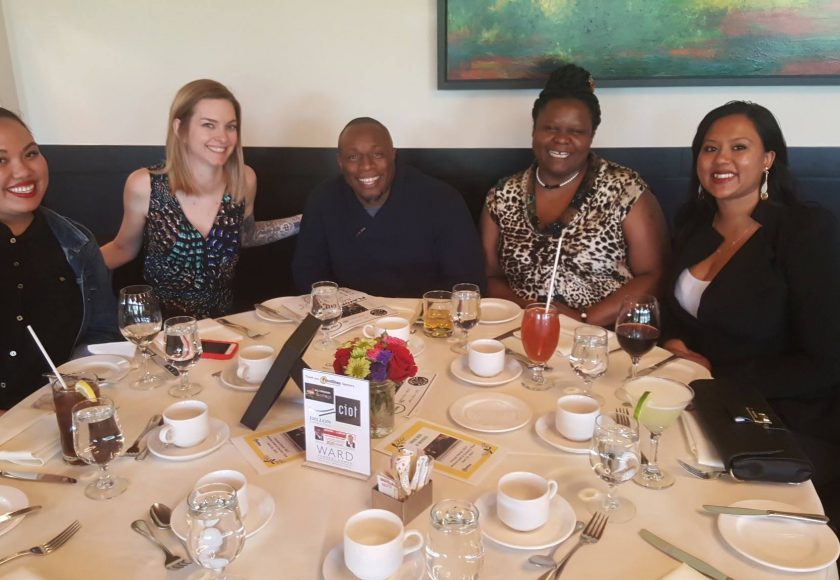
(753, 291)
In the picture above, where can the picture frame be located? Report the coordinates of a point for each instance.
(511, 44)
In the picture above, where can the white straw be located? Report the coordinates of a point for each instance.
(553, 274)
(46, 356)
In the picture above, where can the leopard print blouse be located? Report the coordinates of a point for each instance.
(593, 257)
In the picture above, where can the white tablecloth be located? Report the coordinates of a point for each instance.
(312, 505)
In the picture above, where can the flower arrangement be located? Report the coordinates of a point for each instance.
(375, 359)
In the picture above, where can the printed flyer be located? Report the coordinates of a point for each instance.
(268, 450)
(337, 422)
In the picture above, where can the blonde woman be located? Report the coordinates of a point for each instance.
(192, 214)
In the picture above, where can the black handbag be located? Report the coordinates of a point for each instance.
(752, 441)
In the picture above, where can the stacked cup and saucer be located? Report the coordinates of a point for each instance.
(396, 327)
(525, 512)
(486, 364)
(570, 427)
(251, 367)
(188, 432)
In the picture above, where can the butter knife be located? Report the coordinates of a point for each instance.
(507, 334)
(743, 511)
(683, 556)
(658, 365)
(34, 476)
(283, 312)
(159, 361)
(17, 513)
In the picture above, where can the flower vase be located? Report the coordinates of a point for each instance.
(381, 408)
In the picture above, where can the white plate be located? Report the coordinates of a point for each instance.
(219, 433)
(782, 544)
(548, 432)
(498, 310)
(108, 367)
(416, 345)
(229, 379)
(11, 499)
(461, 371)
(260, 510)
(335, 569)
(275, 303)
(490, 412)
(561, 522)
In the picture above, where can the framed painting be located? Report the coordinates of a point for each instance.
(516, 43)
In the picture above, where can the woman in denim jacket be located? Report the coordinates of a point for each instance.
(52, 276)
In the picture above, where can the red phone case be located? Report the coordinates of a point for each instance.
(216, 355)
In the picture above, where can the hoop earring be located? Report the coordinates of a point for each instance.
(763, 191)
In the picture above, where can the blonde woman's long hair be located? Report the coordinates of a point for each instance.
(183, 107)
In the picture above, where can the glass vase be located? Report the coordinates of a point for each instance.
(381, 408)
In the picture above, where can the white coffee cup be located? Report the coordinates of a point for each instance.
(185, 423)
(235, 479)
(575, 417)
(486, 357)
(254, 362)
(394, 325)
(375, 544)
(523, 500)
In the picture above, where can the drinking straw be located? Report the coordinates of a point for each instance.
(46, 356)
(553, 274)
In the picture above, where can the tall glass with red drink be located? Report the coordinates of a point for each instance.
(540, 334)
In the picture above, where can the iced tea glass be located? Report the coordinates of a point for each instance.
(540, 335)
(65, 397)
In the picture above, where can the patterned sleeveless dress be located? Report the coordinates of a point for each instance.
(191, 275)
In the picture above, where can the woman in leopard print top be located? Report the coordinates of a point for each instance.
(611, 226)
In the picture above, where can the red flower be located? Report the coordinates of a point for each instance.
(342, 357)
(402, 364)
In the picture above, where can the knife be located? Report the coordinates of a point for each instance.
(159, 361)
(507, 334)
(34, 476)
(742, 511)
(282, 311)
(658, 365)
(17, 513)
(682, 556)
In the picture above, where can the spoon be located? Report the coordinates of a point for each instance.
(161, 516)
(548, 559)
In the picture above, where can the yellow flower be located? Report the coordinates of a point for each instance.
(358, 368)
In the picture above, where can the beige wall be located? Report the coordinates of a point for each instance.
(104, 72)
(8, 92)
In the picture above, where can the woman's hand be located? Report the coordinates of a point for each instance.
(679, 348)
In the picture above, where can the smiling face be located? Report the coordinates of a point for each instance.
(366, 157)
(23, 175)
(562, 138)
(732, 160)
(211, 134)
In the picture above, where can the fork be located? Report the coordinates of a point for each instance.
(250, 333)
(702, 473)
(172, 561)
(590, 535)
(47, 547)
(622, 417)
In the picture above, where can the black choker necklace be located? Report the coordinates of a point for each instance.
(556, 185)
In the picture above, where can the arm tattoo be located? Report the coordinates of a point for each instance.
(256, 233)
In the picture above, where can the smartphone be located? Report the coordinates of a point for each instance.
(218, 349)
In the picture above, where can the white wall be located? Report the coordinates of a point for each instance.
(104, 72)
(8, 92)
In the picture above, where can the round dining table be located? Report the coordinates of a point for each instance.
(312, 505)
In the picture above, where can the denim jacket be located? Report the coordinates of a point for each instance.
(99, 320)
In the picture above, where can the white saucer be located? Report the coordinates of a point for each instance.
(229, 379)
(275, 304)
(110, 368)
(416, 345)
(11, 499)
(548, 432)
(260, 510)
(219, 433)
(461, 370)
(498, 310)
(781, 544)
(560, 524)
(335, 569)
(490, 412)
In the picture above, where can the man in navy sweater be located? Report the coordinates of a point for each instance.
(383, 227)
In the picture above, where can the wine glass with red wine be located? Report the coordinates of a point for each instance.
(637, 327)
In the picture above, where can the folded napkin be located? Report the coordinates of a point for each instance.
(683, 572)
(121, 348)
(700, 446)
(28, 436)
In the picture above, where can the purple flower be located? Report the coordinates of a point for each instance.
(378, 371)
(384, 357)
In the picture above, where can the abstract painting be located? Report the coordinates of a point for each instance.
(516, 43)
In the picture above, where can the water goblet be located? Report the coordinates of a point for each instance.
(614, 457)
(663, 404)
(466, 306)
(454, 549)
(183, 349)
(589, 359)
(140, 321)
(216, 532)
(326, 307)
(637, 327)
(98, 440)
(540, 334)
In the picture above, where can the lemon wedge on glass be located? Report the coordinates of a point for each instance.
(84, 388)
